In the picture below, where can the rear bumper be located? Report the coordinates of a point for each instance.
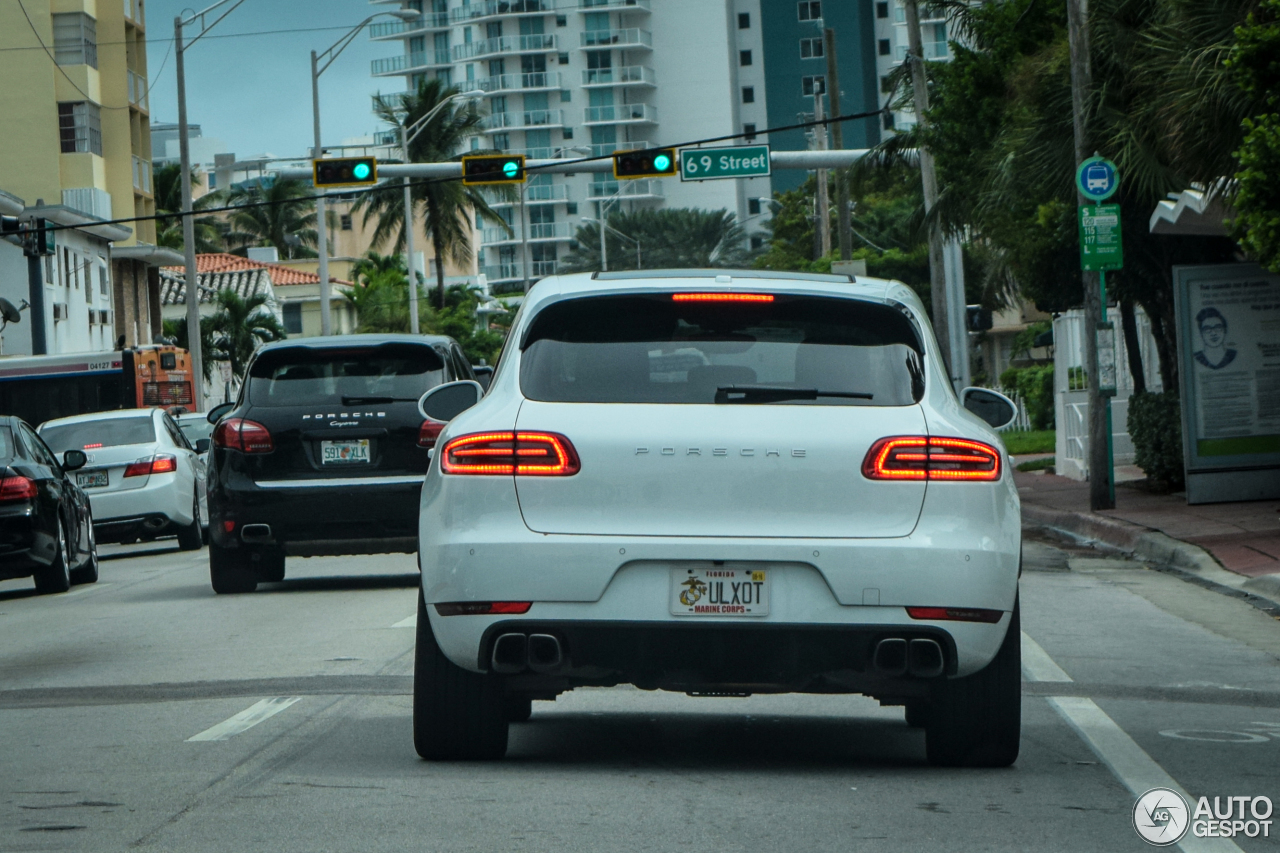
(20, 544)
(151, 510)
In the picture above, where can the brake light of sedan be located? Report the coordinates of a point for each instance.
(161, 463)
(244, 435)
(17, 488)
(535, 454)
(919, 457)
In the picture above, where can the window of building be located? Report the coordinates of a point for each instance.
(492, 30)
(882, 10)
(748, 94)
(571, 208)
(563, 59)
(566, 96)
(292, 313)
(744, 20)
(811, 48)
(810, 10)
(562, 20)
(75, 39)
(533, 26)
(884, 47)
(753, 206)
(80, 127)
(567, 133)
(888, 121)
(816, 84)
(501, 141)
(750, 131)
(744, 57)
(757, 242)
(345, 221)
(886, 84)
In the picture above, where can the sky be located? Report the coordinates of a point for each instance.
(254, 91)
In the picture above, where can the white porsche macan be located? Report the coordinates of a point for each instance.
(719, 483)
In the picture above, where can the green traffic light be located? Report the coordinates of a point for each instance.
(510, 168)
(662, 162)
(361, 171)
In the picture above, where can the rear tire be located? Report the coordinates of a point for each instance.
(976, 721)
(55, 577)
(457, 714)
(230, 571)
(517, 708)
(191, 537)
(88, 573)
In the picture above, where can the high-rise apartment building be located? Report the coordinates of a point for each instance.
(567, 77)
(891, 49)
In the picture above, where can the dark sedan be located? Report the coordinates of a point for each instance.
(46, 526)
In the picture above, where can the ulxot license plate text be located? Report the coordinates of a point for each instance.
(719, 592)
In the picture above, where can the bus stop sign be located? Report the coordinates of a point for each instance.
(1097, 179)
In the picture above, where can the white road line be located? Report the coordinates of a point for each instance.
(411, 622)
(1036, 663)
(1128, 761)
(246, 719)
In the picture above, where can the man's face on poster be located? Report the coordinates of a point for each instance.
(1213, 331)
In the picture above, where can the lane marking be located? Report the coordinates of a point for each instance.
(246, 719)
(411, 622)
(1128, 762)
(1036, 663)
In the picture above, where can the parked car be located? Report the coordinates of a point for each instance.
(143, 478)
(46, 523)
(720, 483)
(324, 453)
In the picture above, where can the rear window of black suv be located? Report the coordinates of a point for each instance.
(792, 350)
(305, 376)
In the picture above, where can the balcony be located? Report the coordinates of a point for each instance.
(536, 194)
(506, 44)
(613, 6)
(142, 175)
(598, 39)
(529, 119)
(135, 11)
(607, 148)
(541, 80)
(608, 190)
(468, 12)
(515, 272)
(621, 114)
(539, 232)
(408, 63)
(138, 91)
(627, 75)
(385, 30)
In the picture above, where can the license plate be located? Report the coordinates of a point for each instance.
(91, 479)
(719, 591)
(344, 452)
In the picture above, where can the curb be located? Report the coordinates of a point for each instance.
(1189, 562)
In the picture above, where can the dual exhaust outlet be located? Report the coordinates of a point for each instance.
(921, 657)
(514, 653)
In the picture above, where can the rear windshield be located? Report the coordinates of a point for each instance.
(107, 432)
(350, 377)
(653, 349)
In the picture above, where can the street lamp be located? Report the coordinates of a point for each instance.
(639, 265)
(408, 133)
(327, 57)
(188, 223)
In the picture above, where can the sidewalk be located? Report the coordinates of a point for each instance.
(1243, 538)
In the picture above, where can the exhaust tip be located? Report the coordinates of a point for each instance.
(256, 533)
(545, 653)
(924, 658)
(509, 654)
(890, 657)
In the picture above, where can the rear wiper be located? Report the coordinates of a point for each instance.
(359, 401)
(773, 393)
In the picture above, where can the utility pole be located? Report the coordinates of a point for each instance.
(937, 269)
(837, 136)
(188, 227)
(1100, 487)
(823, 207)
(524, 239)
(322, 223)
(35, 286)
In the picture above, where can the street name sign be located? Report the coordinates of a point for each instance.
(1100, 245)
(738, 161)
(1097, 179)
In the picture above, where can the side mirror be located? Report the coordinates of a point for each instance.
(445, 402)
(993, 407)
(203, 445)
(73, 460)
(484, 375)
(218, 412)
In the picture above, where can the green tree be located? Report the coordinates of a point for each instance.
(671, 238)
(279, 212)
(381, 300)
(176, 331)
(373, 263)
(167, 184)
(240, 325)
(1255, 63)
(449, 206)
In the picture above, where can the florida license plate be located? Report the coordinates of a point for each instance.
(91, 479)
(719, 591)
(344, 452)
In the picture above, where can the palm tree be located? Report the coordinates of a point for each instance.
(167, 183)
(673, 238)
(372, 264)
(279, 212)
(176, 330)
(239, 326)
(448, 204)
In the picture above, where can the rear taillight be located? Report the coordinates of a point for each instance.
(918, 457)
(531, 454)
(18, 488)
(956, 614)
(243, 435)
(161, 464)
(429, 432)
(482, 608)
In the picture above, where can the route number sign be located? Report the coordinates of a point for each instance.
(1100, 245)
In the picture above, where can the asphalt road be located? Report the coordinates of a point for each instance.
(145, 713)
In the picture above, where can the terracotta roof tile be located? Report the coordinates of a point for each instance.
(281, 276)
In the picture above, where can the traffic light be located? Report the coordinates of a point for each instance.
(345, 172)
(493, 169)
(650, 163)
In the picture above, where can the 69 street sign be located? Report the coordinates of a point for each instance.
(738, 161)
(1097, 179)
